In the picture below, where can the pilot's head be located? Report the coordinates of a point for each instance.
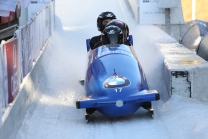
(113, 33)
(116, 31)
(122, 25)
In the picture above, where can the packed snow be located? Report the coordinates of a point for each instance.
(53, 114)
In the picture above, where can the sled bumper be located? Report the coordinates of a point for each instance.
(118, 99)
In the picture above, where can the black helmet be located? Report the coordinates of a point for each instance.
(103, 16)
(122, 25)
(113, 34)
(124, 30)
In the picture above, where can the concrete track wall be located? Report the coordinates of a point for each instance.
(184, 72)
(14, 116)
(28, 62)
(170, 21)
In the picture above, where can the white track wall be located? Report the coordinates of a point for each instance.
(166, 14)
(19, 77)
(184, 72)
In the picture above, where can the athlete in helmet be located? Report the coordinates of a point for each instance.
(102, 21)
(124, 35)
(115, 32)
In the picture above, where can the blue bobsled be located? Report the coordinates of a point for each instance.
(115, 84)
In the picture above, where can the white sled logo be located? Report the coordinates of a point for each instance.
(109, 15)
(111, 32)
(116, 81)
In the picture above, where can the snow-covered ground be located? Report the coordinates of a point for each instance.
(53, 114)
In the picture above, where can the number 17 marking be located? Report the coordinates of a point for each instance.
(118, 90)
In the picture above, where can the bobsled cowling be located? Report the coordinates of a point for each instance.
(115, 84)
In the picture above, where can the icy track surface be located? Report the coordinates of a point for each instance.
(53, 114)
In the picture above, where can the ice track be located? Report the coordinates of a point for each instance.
(53, 115)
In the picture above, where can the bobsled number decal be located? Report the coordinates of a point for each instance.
(118, 90)
(116, 82)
